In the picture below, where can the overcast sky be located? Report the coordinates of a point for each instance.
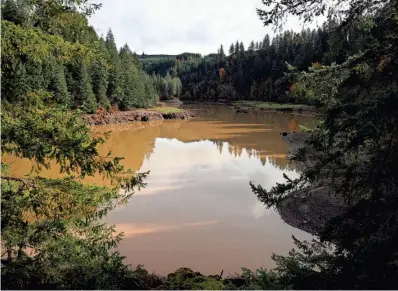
(176, 26)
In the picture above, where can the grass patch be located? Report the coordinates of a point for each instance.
(166, 110)
(270, 105)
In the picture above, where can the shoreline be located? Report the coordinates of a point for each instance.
(309, 209)
(275, 107)
(243, 106)
(138, 115)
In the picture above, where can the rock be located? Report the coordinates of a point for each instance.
(308, 209)
(311, 214)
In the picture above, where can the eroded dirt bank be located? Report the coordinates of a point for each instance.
(120, 117)
(309, 209)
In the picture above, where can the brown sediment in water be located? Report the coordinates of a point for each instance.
(198, 207)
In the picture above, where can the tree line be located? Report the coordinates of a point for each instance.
(260, 71)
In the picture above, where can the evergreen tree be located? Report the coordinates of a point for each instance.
(222, 54)
(99, 78)
(231, 49)
(241, 48)
(237, 47)
(15, 11)
(84, 97)
(251, 47)
(114, 90)
(266, 42)
(59, 87)
(14, 83)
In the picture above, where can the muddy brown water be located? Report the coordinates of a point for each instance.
(198, 210)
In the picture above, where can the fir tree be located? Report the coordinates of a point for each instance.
(231, 49)
(59, 87)
(221, 53)
(85, 97)
(114, 90)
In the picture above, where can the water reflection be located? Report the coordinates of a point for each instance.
(198, 210)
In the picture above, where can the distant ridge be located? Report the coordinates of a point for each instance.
(160, 56)
(183, 56)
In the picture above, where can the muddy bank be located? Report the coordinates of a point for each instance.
(120, 117)
(311, 208)
(310, 111)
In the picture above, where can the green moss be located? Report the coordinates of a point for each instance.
(166, 110)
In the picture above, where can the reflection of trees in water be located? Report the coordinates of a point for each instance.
(236, 151)
(278, 120)
(257, 133)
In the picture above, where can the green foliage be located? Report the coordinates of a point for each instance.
(186, 279)
(320, 86)
(167, 109)
(271, 105)
(52, 232)
(80, 69)
(261, 279)
(99, 78)
(167, 87)
(59, 87)
(114, 90)
(84, 97)
(59, 219)
(258, 73)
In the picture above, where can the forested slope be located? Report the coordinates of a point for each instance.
(61, 54)
(262, 70)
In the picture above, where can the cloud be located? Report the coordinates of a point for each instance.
(134, 229)
(176, 26)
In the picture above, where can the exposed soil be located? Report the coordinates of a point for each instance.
(179, 115)
(309, 209)
(120, 117)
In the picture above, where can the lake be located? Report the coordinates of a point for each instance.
(198, 210)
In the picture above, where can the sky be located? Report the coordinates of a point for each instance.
(177, 26)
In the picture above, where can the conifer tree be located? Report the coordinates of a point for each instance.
(99, 78)
(114, 90)
(85, 98)
(251, 47)
(266, 42)
(231, 49)
(241, 48)
(222, 54)
(59, 87)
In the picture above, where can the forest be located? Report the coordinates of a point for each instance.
(93, 72)
(263, 71)
(56, 68)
